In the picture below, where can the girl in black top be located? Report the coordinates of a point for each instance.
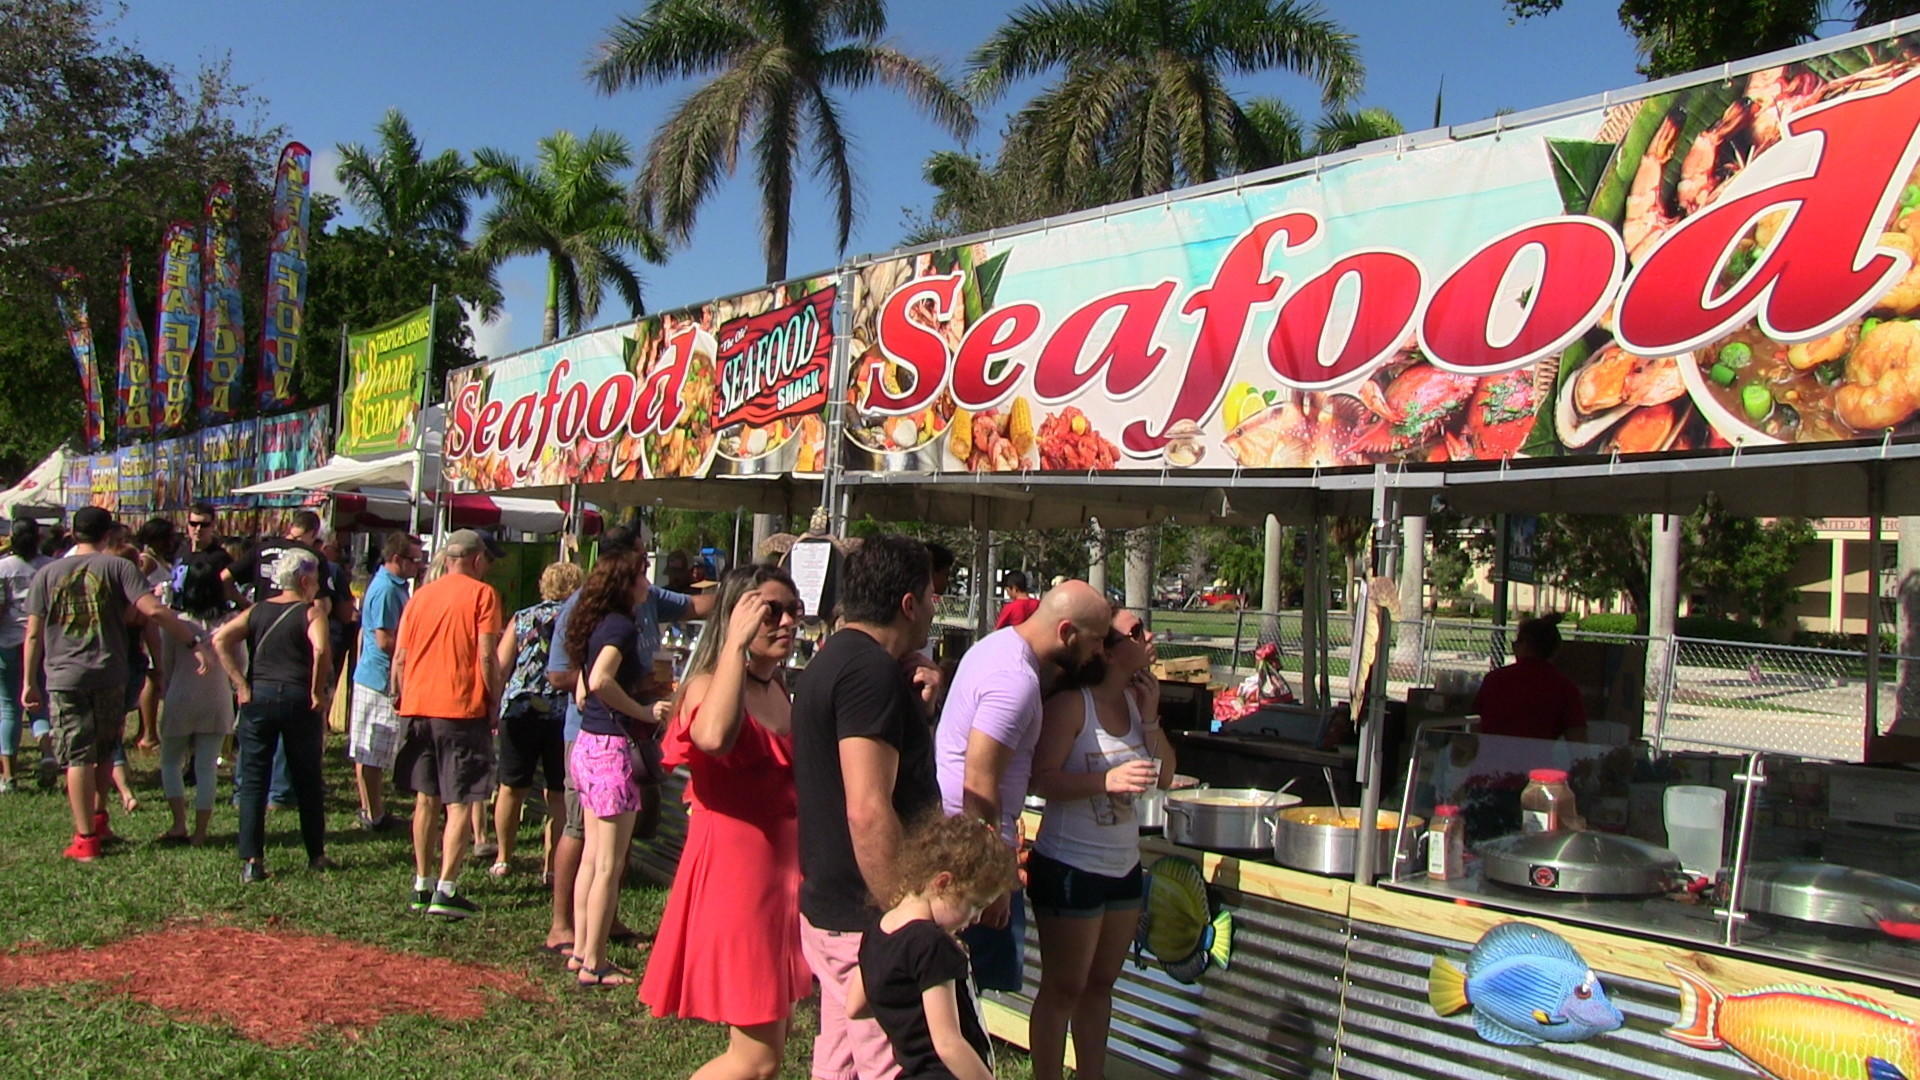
(283, 695)
(914, 976)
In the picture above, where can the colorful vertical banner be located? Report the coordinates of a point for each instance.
(280, 339)
(70, 292)
(222, 325)
(133, 466)
(386, 367)
(135, 362)
(179, 327)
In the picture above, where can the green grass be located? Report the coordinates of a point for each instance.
(78, 1031)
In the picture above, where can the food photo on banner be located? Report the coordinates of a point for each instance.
(1689, 271)
(133, 466)
(734, 387)
(286, 445)
(386, 369)
(103, 479)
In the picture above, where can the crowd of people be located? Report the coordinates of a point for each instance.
(855, 824)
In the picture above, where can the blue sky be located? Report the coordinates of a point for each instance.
(503, 74)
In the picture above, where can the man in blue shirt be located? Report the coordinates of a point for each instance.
(374, 734)
(660, 606)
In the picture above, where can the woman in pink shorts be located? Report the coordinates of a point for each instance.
(616, 753)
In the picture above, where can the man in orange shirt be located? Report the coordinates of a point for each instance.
(447, 685)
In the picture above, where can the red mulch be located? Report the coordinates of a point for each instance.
(275, 988)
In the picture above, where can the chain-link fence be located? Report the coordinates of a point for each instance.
(1693, 692)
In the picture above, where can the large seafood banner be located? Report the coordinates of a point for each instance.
(733, 387)
(1728, 264)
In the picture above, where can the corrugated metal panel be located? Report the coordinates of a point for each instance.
(1390, 1031)
(1274, 1013)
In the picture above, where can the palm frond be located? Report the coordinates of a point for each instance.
(672, 39)
(1277, 136)
(833, 163)
(1344, 129)
(1251, 36)
(1036, 39)
(693, 151)
(854, 66)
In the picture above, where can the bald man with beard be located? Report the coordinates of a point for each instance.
(983, 751)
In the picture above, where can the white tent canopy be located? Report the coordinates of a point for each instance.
(382, 486)
(46, 485)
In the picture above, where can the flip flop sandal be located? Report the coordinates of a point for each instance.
(573, 963)
(562, 951)
(499, 870)
(604, 977)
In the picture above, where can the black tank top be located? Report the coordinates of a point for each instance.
(277, 634)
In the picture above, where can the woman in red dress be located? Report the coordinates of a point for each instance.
(728, 949)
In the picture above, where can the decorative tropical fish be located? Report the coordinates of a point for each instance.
(1177, 923)
(1798, 1032)
(1526, 986)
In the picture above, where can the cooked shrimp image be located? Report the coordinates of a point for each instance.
(1883, 377)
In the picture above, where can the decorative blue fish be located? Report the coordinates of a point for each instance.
(1525, 986)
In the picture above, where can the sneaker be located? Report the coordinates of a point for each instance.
(253, 872)
(421, 898)
(83, 848)
(452, 907)
(485, 851)
(102, 829)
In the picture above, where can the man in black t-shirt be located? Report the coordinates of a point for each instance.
(863, 767)
(255, 572)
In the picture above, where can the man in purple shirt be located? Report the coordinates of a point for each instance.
(983, 751)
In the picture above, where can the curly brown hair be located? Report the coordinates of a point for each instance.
(982, 864)
(609, 589)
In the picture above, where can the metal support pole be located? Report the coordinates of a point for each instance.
(1876, 505)
(420, 431)
(1368, 765)
(1313, 661)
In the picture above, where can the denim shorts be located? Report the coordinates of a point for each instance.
(1061, 891)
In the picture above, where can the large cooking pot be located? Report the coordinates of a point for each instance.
(1225, 819)
(1150, 806)
(1323, 840)
(1585, 863)
(1834, 895)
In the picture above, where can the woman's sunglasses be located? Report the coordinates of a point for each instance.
(1138, 633)
(776, 611)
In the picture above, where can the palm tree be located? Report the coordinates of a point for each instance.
(1343, 130)
(1142, 91)
(405, 196)
(775, 65)
(570, 207)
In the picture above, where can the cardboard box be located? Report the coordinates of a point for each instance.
(1186, 669)
(1874, 796)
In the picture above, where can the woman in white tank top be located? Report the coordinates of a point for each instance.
(1098, 747)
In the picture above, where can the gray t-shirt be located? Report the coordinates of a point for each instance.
(83, 600)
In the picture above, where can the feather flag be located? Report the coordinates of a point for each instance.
(70, 292)
(179, 327)
(222, 324)
(135, 362)
(280, 338)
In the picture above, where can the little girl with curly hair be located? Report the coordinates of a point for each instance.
(914, 974)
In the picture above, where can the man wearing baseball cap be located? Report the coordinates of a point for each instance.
(447, 686)
(76, 662)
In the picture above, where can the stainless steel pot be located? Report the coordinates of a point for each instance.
(1306, 838)
(1834, 895)
(1150, 806)
(1225, 819)
(1584, 863)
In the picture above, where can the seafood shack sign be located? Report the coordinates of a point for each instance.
(736, 386)
(1728, 264)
